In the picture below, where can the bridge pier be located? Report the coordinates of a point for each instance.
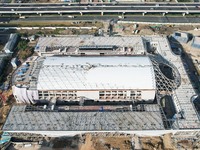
(183, 14)
(163, 14)
(101, 13)
(143, 13)
(40, 14)
(81, 13)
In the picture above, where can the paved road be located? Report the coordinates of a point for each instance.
(106, 8)
(159, 19)
(99, 4)
(88, 8)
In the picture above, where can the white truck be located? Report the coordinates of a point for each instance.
(22, 17)
(70, 16)
(121, 17)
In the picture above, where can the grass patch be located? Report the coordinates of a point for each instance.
(51, 24)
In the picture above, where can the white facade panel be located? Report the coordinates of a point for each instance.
(147, 94)
(22, 95)
(88, 94)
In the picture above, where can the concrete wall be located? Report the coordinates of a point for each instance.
(138, 132)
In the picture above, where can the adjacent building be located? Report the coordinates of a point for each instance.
(14, 63)
(196, 42)
(130, 71)
(10, 45)
(181, 37)
(2, 58)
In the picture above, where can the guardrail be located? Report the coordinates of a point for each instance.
(159, 23)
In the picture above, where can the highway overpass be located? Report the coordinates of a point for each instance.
(103, 8)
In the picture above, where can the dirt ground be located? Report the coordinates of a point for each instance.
(165, 142)
(185, 144)
(5, 107)
(106, 143)
(145, 29)
(151, 143)
(55, 24)
(3, 113)
(88, 143)
(98, 142)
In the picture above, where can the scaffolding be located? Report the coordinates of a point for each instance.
(26, 118)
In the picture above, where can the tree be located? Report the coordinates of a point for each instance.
(24, 54)
(22, 45)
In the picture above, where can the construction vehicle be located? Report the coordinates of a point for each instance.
(2, 97)
(5, 140)
(70, 16)
(157, 27)
(121, 17)
(22, 17)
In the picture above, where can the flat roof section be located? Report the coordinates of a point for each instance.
(21, 120)
(136, 42)
(96, 73)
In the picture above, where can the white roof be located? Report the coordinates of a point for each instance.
(96, 73)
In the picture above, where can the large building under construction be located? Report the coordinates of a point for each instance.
(139, 76)
(89, 77)
(93, 78)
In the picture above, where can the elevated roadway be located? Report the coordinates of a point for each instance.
(122, 8)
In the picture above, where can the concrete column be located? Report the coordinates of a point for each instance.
(143, 13)
(123, 15)
(183, 14)
(102, 13)
(163, 14)
(81, 13)
(40, 14)
(60, 14)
